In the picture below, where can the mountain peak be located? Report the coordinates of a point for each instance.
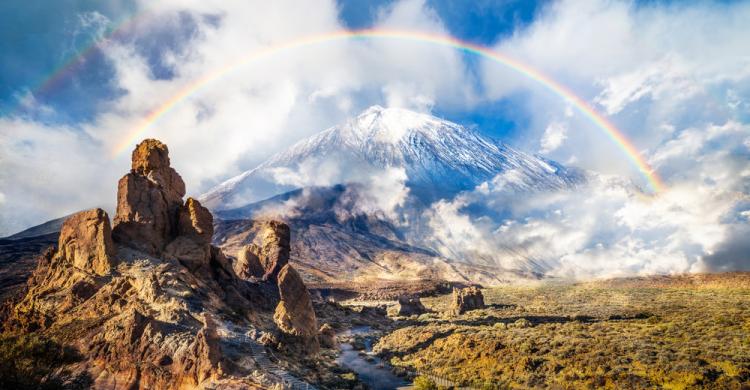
(391, 125)
(440, 158)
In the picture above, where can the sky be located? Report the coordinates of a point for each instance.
(77, 77)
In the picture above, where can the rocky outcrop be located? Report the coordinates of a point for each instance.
(143, 303)
(465, 299)
(248, 263)
(149, 200)
(86, 242)
(274, 248)
(192, 246)
(409, 306)
(195, 222)
(327, 336)
(294, 314)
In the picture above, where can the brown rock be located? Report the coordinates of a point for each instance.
(274, 251)
(149, 199)
(195, 222)
(193, 255)
(466, 299)
(327, 336)
(86, 242)
(409, 305)
(294, 314)
(248, 263)
(206, 352)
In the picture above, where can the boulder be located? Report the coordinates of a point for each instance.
(149, 200)
(409, 305)
(86, 242)
(466, 299)
(327, 336)
(248, 263)
(274, 248)
(294, 314)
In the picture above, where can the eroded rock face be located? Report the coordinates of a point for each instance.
(274, 250)
(466, 299)
(409, 305)
(294, 314)
(248, 262)
(149, 199)
(86, 242)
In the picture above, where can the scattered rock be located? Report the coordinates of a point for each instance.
(294, 314)
(86, 242)
(327, 336)
(248, 263)
(409, 305)
(466, 299)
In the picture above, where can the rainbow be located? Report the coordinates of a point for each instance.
(75, 61)
(566, 94)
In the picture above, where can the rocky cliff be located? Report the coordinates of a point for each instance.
(150, 303)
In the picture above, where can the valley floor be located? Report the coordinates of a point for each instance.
(678, 332)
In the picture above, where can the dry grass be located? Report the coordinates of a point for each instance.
(592, 336)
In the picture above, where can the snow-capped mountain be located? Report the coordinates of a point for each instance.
(440, 158)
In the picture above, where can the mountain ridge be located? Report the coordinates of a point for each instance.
(440, 159)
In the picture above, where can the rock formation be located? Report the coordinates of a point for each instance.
(148, 303)
(409, 305)
(149, 199)
(274, 251)
(248, 262)
(192, 245)
(86, 242)
(294, 314)
(466, 299)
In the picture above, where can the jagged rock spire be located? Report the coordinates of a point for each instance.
(149, 199)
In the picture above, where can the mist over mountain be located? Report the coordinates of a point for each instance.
(433, 158)
(365, 192)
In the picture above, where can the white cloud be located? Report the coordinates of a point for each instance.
(553, 137)
(610, 229)
(643, 65)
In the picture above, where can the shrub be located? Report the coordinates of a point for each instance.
(26, 362)
(424, 383)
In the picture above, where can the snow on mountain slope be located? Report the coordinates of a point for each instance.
(439, 158)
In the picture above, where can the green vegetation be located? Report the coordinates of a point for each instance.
(30, 362)
(593, 336)
(424, 383)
